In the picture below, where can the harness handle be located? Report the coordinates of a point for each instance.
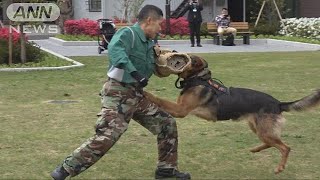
(218, 80)
(176, 84)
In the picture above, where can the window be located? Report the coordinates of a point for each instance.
(95, 5)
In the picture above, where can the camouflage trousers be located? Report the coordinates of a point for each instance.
(120, 104)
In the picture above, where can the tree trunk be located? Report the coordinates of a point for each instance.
(23, 53)
(10, 46)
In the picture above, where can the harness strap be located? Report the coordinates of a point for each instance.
(217, 87)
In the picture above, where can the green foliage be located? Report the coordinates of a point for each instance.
(288, 38)
(204, 29)
(267, 28)
(34, 54)
(269, 22)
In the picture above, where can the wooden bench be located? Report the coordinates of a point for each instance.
(242, 29)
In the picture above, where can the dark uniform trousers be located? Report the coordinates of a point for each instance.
(195, 31)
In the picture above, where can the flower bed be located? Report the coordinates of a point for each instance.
(178, 26)
(33, 52)
(302, 27)
(4, 35)
(81, 27)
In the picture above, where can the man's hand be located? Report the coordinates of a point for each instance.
(143, 82)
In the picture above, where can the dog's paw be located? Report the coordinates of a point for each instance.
(279, 169)
(254, 150)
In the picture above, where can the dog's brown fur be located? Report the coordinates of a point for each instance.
(267, 126)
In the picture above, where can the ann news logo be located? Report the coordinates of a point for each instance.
(33, 12)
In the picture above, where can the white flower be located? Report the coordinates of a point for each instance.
(302, 27)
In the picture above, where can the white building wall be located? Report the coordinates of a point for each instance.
(81, 10)
(159, 3)
(112, 8)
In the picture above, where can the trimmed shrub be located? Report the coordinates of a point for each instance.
(302, 27)
(4, 35)
(178, 26)
(204, 29)
(34, 54)
(267, 29)
(81, 27)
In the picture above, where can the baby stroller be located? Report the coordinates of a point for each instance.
(107, 30)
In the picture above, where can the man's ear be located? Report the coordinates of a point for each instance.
(148, 20)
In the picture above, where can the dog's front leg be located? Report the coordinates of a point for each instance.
(181, 109)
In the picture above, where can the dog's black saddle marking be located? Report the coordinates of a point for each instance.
(231, 103)
(241, 101)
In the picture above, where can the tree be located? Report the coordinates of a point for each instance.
(129, 8)
(269, 22)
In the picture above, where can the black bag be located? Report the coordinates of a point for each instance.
(229, 41)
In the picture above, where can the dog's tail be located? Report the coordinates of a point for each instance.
(305, 103)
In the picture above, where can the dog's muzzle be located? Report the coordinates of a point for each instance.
(168, 62)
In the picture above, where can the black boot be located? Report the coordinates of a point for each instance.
(163, 173)
(59, 173)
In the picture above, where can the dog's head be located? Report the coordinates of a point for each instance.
(197, 64)
(181, 64)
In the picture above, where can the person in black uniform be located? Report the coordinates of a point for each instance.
(195, 20)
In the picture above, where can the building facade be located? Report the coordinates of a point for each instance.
(96, 9)
(110, 8)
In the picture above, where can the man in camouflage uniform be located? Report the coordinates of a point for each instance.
(131, 65)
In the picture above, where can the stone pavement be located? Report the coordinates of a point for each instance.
(261, 45)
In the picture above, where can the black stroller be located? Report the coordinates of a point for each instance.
(107, 30)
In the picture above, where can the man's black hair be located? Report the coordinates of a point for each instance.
(225, 9)
(149, 11)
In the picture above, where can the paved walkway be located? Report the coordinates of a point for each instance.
(184, 46)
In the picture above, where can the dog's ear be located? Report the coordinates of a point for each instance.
(196, 61)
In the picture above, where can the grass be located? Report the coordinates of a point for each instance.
(37, 135)
(48, 61)
(68, 37)
(288, 38)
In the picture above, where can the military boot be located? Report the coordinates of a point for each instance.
(163, 173)
(59, 173)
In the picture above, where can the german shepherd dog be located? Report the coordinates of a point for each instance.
(210, 100)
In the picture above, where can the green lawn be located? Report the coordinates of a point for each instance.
(37, 135)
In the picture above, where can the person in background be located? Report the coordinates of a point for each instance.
(223, 22)
(132, 63)
(195, 20)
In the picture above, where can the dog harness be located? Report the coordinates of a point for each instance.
(204, 79)
(231, 102)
